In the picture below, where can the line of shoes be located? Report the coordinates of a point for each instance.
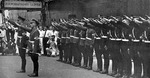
(113, 73)
(30, 75)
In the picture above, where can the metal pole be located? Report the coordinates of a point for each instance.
(2, 8)
(43, 13)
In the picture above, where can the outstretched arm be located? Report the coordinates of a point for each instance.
(17, 25)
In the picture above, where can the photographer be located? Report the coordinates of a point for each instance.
(53, 49)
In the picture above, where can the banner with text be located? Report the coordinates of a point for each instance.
(23, 4)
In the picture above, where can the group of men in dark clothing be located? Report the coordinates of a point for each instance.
(122, 39)
(24, 42)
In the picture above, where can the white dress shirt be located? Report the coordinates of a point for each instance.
(41, 33)
(41, 40)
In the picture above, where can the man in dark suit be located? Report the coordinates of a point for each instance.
(45, 39)
(22, 44)
(89, 47)
(136, 33)
(59, 44)
(145, 48)
(33, 45)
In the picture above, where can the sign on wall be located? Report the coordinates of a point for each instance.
(22, 5)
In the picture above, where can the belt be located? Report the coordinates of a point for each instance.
(125, 40)
(71, 36)
(68, 37)
(19, 36)
(38, 38)
(113, 39)
(104, 37)
(76, 37)
(136, 40)
(23, 48)
(146, 41)
(83, 38)
(31, 41)
(88, 38)
(63, 37)
(118, 39)
(98, 38)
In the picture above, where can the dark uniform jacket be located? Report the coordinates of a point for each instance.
(33, 42)
(82, 37)
(76, 36)
(67, 36)
(89, 37)
(22, 39)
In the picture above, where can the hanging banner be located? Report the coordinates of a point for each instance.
(22, 5)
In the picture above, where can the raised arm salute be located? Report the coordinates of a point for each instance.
(21, 41)
(33, 44)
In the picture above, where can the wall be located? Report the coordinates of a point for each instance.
(62, 8)
(92, 8)
(13, 14)
(138, 7)
(116, 7)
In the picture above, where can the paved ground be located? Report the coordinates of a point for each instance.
(49, 68)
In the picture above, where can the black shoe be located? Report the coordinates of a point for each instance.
(84, 66)
(68, 62)
(104, 72)
(76, 65)
(21, 71)
(98, 70)
(125, 76)
(14, 54)
(144, 77)
(59, 60)
(73, 64)
(64, 61)
(33, 75)
(48, 55)
(118, 75)
(112, 74)
(89, 68)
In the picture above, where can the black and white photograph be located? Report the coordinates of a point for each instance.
(74, 38)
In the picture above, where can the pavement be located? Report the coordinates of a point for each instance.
(49, 68)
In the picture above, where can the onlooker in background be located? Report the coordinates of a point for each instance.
(45, 39)
(54, 33)
(41, 38)
(3, 34)
(11, 47)
(2, 39)
(10, 31)
(53, 49)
